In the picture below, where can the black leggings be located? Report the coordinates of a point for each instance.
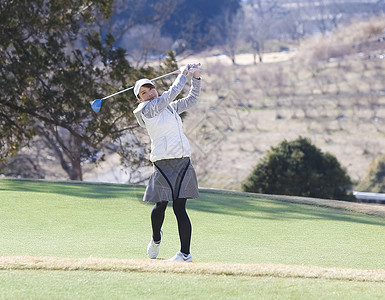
(184, 224)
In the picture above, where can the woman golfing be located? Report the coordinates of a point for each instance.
(173, 177)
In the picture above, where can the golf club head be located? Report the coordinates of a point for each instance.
(96, 105)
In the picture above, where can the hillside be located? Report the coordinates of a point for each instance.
(329, 89)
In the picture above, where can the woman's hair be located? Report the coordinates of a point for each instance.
(147, 85)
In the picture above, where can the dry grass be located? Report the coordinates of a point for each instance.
(161, 266)
(359, 36)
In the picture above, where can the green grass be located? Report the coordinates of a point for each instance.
(99, 220)
(82, 220)
(126, 285)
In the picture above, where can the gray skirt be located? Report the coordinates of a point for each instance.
(172, 179)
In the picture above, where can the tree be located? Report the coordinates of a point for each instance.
(136, 26)
(54, 58)
(374, 180)
(292, 25)
(229, 28)
(260, 17)
(324, 16)
(195, 22)
(298, 168)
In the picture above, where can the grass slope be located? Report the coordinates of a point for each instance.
(84, 227)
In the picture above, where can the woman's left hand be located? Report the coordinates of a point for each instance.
(197, 73)
(195, 69)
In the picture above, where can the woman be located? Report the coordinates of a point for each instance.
(174, 178)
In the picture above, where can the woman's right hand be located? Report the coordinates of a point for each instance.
(184, 69)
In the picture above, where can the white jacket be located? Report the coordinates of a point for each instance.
(160, 117)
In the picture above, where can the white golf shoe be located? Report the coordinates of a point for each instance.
(153, 248)
(179, 256)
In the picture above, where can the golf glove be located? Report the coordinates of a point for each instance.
(189, 68)
(193, 67)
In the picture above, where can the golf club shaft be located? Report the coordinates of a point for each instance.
(130, 88)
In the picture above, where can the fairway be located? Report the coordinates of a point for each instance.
(240, 241)
(26, 284)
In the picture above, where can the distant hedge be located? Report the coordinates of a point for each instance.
(298, 168)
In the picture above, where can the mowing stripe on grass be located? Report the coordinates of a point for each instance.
(362, 208)
(161, 266)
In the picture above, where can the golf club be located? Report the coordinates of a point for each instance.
(97, 103)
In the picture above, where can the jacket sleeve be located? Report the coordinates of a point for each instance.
(184, 104)
(138, 114)
(157, 105)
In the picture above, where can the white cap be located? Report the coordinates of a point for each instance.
(139, 84)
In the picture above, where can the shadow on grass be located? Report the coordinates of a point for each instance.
(212, 202)
(254, 207)
(73, 188)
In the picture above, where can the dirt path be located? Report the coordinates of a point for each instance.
(155, 266)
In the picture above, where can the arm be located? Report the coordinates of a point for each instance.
(156, 106)
(184, 104)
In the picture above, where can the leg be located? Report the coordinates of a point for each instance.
(157, 218)
(184, 225)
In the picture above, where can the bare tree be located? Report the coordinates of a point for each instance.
(229, 27)
(260, 16)
(292, 25)
(145, 42)
(139, 31)
(323, 15)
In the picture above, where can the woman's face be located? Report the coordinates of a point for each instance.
(147, 93)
